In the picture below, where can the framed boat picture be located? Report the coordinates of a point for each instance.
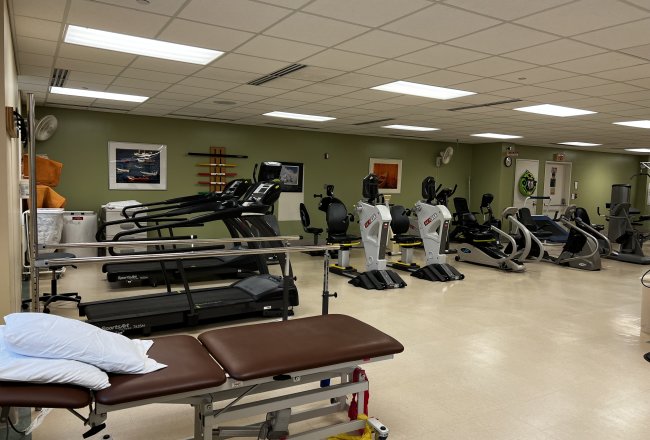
(137, 166)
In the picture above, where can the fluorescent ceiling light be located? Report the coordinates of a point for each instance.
(638, 150)
(139, 46)
(411, 88)
(638, 124)
(299, 116)
(496, 136)
(579, 144)
(554, 110)
(96, 94)
(410, 127)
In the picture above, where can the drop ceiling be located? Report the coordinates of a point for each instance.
(588, 54)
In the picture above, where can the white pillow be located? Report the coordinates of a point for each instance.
(55, 337)
(18, 368)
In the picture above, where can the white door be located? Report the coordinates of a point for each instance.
(521, 167)
(557, 186)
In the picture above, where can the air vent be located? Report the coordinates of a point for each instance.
(409, 137)
(487, 104)
(59, 77)
(277, 74)
(291, 126)
(376, 121)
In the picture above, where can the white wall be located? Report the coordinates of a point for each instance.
(10, 253)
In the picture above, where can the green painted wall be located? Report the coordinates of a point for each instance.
(81, 144)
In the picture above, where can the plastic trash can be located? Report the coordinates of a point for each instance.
(50, 225)
(80, 227)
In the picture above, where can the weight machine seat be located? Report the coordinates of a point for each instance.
(189, 368)
(343, 239)
(296, 345)
(304, 219)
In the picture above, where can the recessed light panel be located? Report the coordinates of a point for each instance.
(299, 116)
(410, 127)
(579, 144)
(139, 46)
(554, 110)
(497, 136)
(95, 94)
(411, 88)
(638, 124)
(638, 150)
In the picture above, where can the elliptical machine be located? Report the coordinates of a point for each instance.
(480, 243)
(374, 222)
(433, 224)
(621, 227)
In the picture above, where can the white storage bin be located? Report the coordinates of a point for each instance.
(80, 227)
(50, 225)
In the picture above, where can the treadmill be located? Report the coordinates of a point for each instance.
(260, 294)
(166, 215)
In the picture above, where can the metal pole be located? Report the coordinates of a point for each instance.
(285, 287)
(326, 293)
(33, 207)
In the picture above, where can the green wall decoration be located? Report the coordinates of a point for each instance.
(81, 144)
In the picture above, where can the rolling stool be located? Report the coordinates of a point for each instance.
(53, 296)
(304, 219)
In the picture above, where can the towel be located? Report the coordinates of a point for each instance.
(48, 171)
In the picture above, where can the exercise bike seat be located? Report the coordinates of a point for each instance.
(400, 226)
(304, 219)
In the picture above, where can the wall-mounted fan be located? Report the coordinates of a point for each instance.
(445, 156)
(45, 127)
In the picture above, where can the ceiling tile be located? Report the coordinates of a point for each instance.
(166, 66)
(573, 83)
(292, 4)
(643, 82)
(641, 3)
(593, 14)
(315, 74)
(383, 44)
(237, 97)
(76, 52)
(34, 8)
(440, 23)
(299, 95)
(198, 91)
(141, 84)
(329, 89)
(316, 30)
(276, 48)
(247, 63)
(95, 78)
(598, 63)
(234, 76)
(504, 38)
(555, 97)
(151, 75)
(286, 83)
(523, 91)
(485, 85)
(115, 19)
(442, 56)
(627, 73)
(33, 59)
(608, 89)
(642, 51)
(535, 75)
(35, 28)
(619, 37)
(338, 59)
(34, 45)
(492, 66)
(366, 12)
(555, 52)
(203, 35)
(243, 14)
(506, 9)
(342, 101)
(368, 94)
(181, 96)
(35, 80)
(395, 69)
(257, 90)
(167, 7)
(444, 78)
(130, 91)
(25, 69)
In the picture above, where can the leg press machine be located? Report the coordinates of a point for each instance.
(224, 367)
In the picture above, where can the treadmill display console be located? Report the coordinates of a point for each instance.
(263, 193)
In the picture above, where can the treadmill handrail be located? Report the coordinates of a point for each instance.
(182, 255)
(131, 243)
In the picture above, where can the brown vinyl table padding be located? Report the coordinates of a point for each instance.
(21, 394)
(270, 349)
(189, 368)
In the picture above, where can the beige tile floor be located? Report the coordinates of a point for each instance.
(549, 354)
